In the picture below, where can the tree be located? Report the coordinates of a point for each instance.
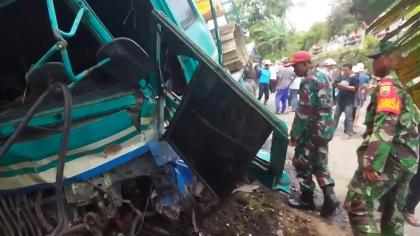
(254, 11)
(318, 32)
(269, 36)
(263, 19)
(341, 20)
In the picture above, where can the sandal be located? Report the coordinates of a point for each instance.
(409, 218)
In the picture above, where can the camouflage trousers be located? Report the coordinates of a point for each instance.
(390, 191)
(312, 159)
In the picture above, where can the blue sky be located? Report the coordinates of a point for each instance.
(306, 12)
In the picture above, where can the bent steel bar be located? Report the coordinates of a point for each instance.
(75, 25)
(94, 24)
(55, 48)
(54, 23)
(91, 21)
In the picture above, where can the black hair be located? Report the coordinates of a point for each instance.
(348, 65)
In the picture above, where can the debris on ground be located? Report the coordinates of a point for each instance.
(246, 188)
(266, 213)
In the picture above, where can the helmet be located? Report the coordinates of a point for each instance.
(267, 62)
(359, 67)
(330, 62)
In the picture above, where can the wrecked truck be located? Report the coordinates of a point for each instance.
(121, 124)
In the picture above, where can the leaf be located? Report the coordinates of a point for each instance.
(368, 10)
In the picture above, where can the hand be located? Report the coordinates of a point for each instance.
(292, 142)
(370, 175)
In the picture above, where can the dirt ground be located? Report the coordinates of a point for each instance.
(266, 213)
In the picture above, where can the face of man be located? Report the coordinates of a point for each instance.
(347, 71)
(383, 64)
(301, 68)
(380, 66)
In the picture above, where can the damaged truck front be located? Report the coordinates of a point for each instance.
(121, 124)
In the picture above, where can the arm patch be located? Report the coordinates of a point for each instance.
(388, 99)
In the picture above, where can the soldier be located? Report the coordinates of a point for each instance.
(312, 129)
(388, 155)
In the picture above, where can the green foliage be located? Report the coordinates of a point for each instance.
(318, 32)
(353, 56)
(269, 36)
(252, 12)
(264, 21)
(341, 21)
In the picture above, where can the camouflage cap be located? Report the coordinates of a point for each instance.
(383, 47)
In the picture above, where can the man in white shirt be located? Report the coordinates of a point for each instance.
(274, 68)
(294, 91)
(284, 80)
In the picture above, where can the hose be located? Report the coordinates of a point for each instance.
(62, 217)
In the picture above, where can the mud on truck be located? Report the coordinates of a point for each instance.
(115, 119)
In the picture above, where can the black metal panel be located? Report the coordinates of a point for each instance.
(216, 131)
(219, 127)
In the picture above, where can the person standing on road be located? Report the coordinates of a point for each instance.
(345, 99)
(274, 68)
(413, 198)
(294, 91)
(388, 155)
(361, 93)
(285, 79)
(312, 129)
(328, 67)
(264, 81)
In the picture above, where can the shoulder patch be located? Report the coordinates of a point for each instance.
(388, 99)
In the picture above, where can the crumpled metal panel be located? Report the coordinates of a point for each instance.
(218, 127)
(217, 132)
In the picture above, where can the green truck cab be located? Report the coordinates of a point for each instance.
(125, 113)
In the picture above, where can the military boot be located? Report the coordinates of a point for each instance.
(331, 202)
(304, 202)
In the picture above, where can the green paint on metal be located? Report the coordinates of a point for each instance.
(54, 49)
(80, 136)
(53, 163)
(148, 113)
(91, 21)
(75, 25)
(81, 111)
(197, 32)
(216, 31)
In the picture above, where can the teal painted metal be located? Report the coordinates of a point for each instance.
(216, 31)
(79, 137)
(81, 111)
(111, 107)
(75, 25)
(54, 49)
(260, 169)
(197, 31)
(54, 23)
(279, 128)
(91, 21)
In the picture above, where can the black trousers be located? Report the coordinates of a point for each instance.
(264, 89)
(413, 196)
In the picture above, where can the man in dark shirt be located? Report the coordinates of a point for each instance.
(347, 86)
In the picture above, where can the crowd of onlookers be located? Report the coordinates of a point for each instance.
(352, 84)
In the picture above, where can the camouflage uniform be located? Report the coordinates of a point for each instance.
(313, 128)
(390, 147)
